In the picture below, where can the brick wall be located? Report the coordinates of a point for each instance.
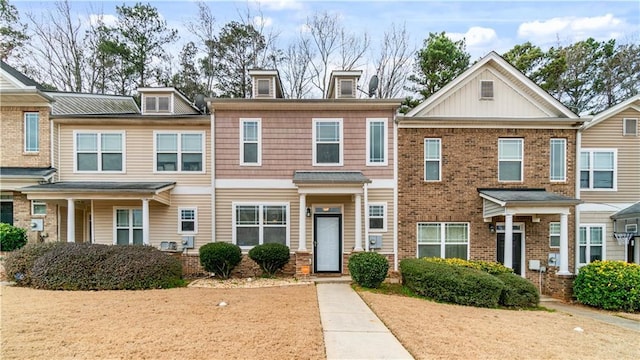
(469, 162)
(12, 132)
(22, 219)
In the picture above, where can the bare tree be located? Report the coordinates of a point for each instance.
(295, 68)
(204, 29)
(352, 49)
(393, 63)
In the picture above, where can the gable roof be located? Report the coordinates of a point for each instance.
(19, 77)
(498, 62)
(92, 104)
(633, 102)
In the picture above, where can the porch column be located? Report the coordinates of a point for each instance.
(302, 222)
(636, 249)
(508, 241)
(145, 221)
(564, 245)
(358, 239)
(71, 220)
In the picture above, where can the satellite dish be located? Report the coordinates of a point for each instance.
(200, 103)
(373, 85)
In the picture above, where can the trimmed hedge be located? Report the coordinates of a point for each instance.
(518, 291)
(368, 269)
(610, 285)
(220, 258)
(105, 267)
(454, 284)
(18, 264)
(492, 267)
(270, 257)
(11, 237)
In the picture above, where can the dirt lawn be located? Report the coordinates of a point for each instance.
(279, 323)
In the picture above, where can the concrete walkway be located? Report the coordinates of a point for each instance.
(351, 330)
(583, 311)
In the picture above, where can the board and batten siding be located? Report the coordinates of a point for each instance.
(139, 155)
(608, 134)
(613, 250)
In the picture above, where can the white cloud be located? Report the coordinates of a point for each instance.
(280, 4)
(476, 36)
(572, 28)
(108, 20)
(262, 21)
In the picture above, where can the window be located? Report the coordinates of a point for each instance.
(346, 88)
(156, 103)
(591, 243)
(630, 127)
(486, 90)
(188, 221)
(260, 224)
(377, 217)
(432, 160)
(444, 240)
(31, 132)
(179, 151)
(128, 229)
(264, 87)
(377, 142)
(96, 151)
(250, 132)
(510, 159)
(327, 142)
(598, 169)
(38, 207)
(554, 235)
(558, 160)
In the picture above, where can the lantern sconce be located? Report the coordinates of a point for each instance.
(308, 212)
(492, 228)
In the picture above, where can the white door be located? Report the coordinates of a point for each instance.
(327, 244)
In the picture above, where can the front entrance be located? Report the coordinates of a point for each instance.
(6, 212)
(327, 243)
(516, 251)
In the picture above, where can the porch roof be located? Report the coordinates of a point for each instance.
(27, 172)
(329, 177)
(524, 201)
(100, 186)
(632, 211)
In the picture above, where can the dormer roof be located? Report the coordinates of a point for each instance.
(265, 84)
(165, 101)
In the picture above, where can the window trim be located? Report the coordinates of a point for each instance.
(384, 217)
(179, 151)
(558, 234)
(99, 152)
(242, 141)
(350, 87)
(564, 160)
(131, 226)
(35, 203)
(521, 160)
(195, 220)
(385, 152)
(260, 225)
(615, 168)
(443, 242)
(589, 245)
(157, 104)
(424, 162)
(624, 127)
(258, 93)
(340, 142)
(482, 97)
(27, 118)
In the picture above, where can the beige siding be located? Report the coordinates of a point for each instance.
(608, 134)
(613, 251)
(383, 196)
(139, 156)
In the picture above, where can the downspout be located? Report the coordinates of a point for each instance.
(576, 240)
(395, 193)
(213, 173)
(366, 217)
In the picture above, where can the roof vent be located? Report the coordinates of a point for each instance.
(486, 90)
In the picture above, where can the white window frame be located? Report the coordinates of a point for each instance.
(385, 144)
(591, 152)
(157, 109)
(260, 94)
(258, 142)
(556, 177)
(340, 142)
(432, 159)
(34, 204)
(482, 97)
(588, 245)
(179, 151)
(130, 227)
(31, 116)
(99, 150)
(181, 220)
(260, 224)
(350, 87)
(520, 159)
(634, 121)
(443, 241)
(554, 226)
(384, 216)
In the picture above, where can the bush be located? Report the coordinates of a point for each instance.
(220, 258)
(105, 267)
(368, 269)
(18, 264)
(610, 285)
(493, 268)
(450, 283)
(518, 291)
(11, 237)
(270, 257)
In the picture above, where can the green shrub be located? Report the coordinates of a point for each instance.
(493, 268)
(220, 258)
(270, 257)
(518, 291)
(18, 264)
(610, 285)
(105, 267)
(450, 283)
(11, 237)
(368, 269)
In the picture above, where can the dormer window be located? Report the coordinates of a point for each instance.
(158, 104)
(486, 90)
(630, 127)
(346, 88)
(264, 87)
